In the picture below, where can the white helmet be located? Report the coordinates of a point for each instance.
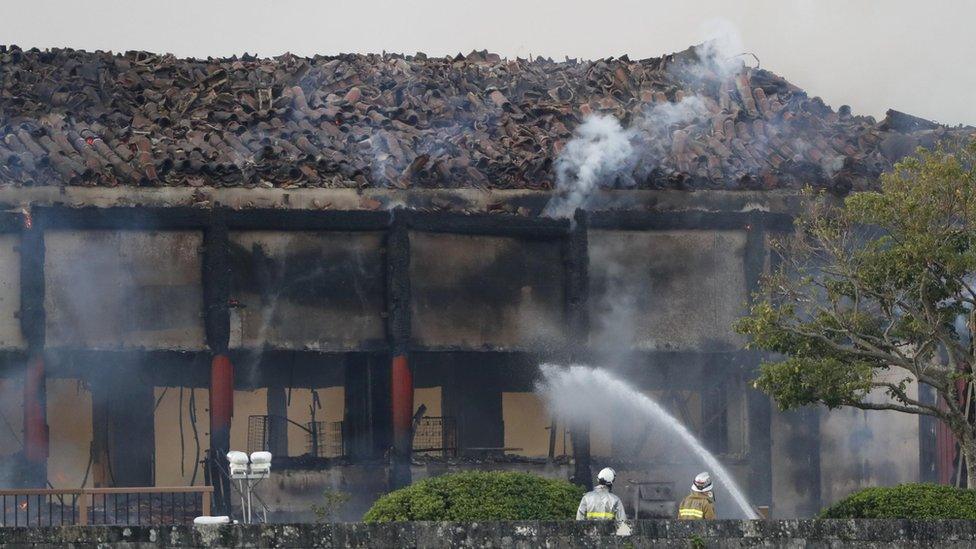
(606, 475)
(703, 483)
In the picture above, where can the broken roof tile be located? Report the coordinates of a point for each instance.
(92, 118)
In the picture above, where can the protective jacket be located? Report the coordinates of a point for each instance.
(601, 504)
(696, 506)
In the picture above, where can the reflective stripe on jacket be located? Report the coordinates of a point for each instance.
(601, 504)
(696, 506)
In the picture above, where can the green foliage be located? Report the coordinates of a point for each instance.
(479, 496)
(332, 502)
(909, 501)
(878, 285)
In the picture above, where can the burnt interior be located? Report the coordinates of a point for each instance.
(363, 268)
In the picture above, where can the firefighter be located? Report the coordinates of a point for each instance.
(700, 503)
(602, 503)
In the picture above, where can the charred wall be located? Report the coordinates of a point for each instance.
(485, 292)
(307, 290)
(667, 290)
(123, 289)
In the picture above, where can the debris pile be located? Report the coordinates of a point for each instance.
(100, 119)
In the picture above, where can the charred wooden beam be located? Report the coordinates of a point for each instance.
(577, 261)
(759, 405)
(688, 220)
(157, 218)
(515, 226)
(398, 333)
(158, 367)
(32, 315)
(216, 294)
(306, 220)
(578, 324)
(398, 284)
(216, 282)
(32, 325)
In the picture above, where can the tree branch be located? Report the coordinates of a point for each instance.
(891, 406)
(900, 395)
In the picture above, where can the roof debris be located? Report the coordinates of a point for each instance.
(98, 119)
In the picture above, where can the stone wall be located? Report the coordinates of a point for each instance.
(650, 533)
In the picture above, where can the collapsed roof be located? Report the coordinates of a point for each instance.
(100, 119)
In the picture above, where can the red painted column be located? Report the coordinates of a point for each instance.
(221, 403)
(401, 404)
(35, 416)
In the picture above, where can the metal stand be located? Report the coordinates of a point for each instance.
(248, 474)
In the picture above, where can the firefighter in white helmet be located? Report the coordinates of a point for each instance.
(700, 503)
(601, 503)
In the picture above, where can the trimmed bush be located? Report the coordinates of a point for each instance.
(479, 495)
(909, 501)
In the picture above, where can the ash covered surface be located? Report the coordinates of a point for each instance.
(353, 121)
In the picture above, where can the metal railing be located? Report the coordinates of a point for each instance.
(258, 433)
(436, 434)
(322, 438)
(325, 439)
(104, 506)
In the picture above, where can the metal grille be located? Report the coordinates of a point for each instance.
(324, 439)
(123, 506)
(257, 433)
(436, 434)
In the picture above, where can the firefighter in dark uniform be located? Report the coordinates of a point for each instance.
(700, 503)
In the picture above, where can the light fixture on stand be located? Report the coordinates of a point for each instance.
(249, 472)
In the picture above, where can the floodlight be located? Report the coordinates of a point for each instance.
(238, 464)
(260, 464)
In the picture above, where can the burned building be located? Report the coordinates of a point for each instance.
(347, 261)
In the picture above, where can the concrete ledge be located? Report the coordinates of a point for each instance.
(646, 533)
(524, 202)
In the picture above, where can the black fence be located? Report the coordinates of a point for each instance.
(436, 435)
(104, 506)
(325, 439)
(322, 438)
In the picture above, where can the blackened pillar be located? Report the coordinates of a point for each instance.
(277, 435)
(578, 330)
(32, 323)
(398, 335)
(216, 290)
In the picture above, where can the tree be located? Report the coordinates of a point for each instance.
(878, 294)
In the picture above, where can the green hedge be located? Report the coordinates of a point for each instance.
(479, 496)
(910, 501)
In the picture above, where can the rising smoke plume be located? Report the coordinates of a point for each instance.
(604, 154)
(600, 152)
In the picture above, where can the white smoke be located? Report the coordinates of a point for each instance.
(603, 153)
(721, 47)
(600, 150)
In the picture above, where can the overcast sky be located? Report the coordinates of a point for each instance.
(915, 56)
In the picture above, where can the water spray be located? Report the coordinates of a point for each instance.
(562, 389)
